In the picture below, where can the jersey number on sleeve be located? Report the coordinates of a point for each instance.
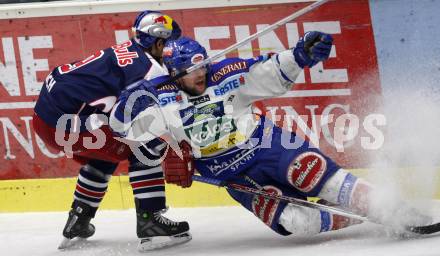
(66, 68)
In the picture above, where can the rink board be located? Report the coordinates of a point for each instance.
(32, 195)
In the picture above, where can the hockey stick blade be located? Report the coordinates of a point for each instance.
(425, 230)
(422, 230)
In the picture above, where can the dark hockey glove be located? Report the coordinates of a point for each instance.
(179, 171)
(314, 47)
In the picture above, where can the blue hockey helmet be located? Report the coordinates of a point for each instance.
(183, 53)
(151, 25)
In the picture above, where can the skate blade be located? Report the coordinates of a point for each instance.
(160, 242)
(68, 243)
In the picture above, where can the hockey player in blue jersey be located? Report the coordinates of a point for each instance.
(209, 113)
(77, 97)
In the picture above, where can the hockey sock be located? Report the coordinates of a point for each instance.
(92, 182)
(148, 185)
(347, 191)
(357, 195)
(303, 221)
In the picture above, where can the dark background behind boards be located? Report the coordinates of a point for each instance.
(24, 1)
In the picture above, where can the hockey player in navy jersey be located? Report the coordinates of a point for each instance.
(209, 113)
(75, 101)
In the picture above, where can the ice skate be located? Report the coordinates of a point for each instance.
(156, 231)
(78, 226)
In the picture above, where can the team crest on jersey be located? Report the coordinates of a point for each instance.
(123, 55)
(265, 208)
(306, 170)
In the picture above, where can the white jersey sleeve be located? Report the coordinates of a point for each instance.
(268, 79)
(148, 125)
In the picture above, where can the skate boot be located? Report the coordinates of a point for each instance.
(78, 224)
(156, 231)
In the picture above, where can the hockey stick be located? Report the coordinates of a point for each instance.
(246, 40)
(287, 199)
(429, 229)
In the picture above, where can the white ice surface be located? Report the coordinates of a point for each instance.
(216, 231)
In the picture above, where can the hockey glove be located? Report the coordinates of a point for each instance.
(314, 47)
(179, 171)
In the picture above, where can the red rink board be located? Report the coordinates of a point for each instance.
(30, 47)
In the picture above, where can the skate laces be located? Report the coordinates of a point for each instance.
(162, 219)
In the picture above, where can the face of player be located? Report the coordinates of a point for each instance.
(157, 49)
(194, 83)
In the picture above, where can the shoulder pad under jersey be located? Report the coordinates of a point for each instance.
(166, 93)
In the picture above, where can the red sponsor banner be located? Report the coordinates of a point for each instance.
(347, 83)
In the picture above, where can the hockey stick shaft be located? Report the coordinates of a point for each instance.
(248, 39)
(286, 199)
(424, 230)
(259, 34)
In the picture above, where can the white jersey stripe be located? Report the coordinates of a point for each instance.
(92, 183)
(150, 195)
(145, 172)
(92, 204)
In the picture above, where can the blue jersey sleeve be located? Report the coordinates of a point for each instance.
(93, 84)
(231, 66)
